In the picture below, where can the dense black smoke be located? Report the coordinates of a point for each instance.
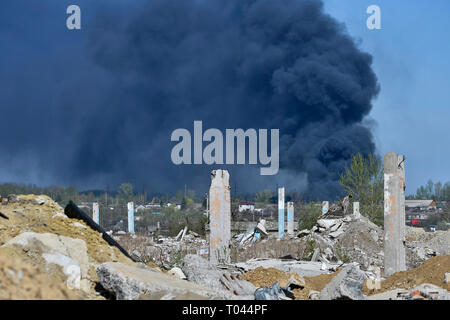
(100, 107)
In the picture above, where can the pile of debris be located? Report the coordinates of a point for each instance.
(435, 271)
(429, 281)
(253, 234)
(165, 252)
(48, 253)
(38, 232)
(345, 283)
(335, 240)
(350, 238)
(421, 245)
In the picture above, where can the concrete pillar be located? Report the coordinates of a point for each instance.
(95, 213)
(290, 218)
(356, 213)
(280, 212)
(220, 217)
(131, 217)
(394, 213)
(325, 206)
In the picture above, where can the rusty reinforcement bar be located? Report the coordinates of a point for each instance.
(73, 212)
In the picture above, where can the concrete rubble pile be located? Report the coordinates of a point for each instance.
(253, 234)
(347, 239)
(421, 245)
(64, 258)
(166, 252)
(44, 254)
(350, 282)
(39, 234)
(222, 278)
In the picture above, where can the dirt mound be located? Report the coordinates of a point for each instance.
(27, 213)
(260, 277)
(40, 214)
(431, 271)
(20, 280)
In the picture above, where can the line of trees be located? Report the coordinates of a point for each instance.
(433, 191)
(124, 193)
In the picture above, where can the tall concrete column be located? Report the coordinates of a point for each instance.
(356, 212)
(219, 217)
(130, 217)
(290, 218)
(280, 212)
(394, 213)
(95, 213)
(325, 206)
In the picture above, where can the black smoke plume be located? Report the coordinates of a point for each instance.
(97, 107)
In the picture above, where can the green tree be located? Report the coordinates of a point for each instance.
(125, 192)
(363, 179)
(184, 203)
(308, 215)
(264, 196)
(438, 191)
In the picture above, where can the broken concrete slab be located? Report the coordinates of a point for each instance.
(336, 226)
(336, 234)
(177, 272)
(130, 283)
(302, 268)
(200, 271)
(303, 233)
(327, 223)
(347, 284)
(315, 255)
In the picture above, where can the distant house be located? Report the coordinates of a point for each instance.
(420, 204)
(139, 208)
(246, 205)
(148, 206)
(417, 210)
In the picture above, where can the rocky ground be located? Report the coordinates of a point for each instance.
(165, 252)
(347, 239)
(46, 255)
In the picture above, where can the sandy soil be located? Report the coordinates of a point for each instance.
(268, 276)
(431, 271)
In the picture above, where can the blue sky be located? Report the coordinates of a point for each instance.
(411, 59)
